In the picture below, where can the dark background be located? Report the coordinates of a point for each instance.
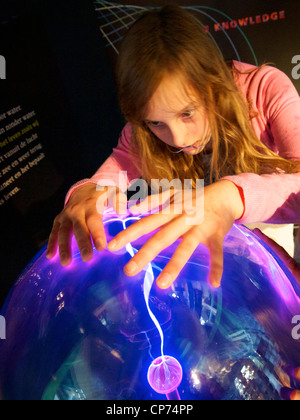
(56, 65)
(60, 65)
(275, 39)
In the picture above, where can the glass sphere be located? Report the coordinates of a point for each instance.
(87, 331)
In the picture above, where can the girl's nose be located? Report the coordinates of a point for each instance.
(178, 135)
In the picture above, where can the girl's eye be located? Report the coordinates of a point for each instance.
(154, 123)
(188, 114)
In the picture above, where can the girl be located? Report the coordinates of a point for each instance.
(190, 116)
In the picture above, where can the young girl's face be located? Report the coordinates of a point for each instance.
(175, 115)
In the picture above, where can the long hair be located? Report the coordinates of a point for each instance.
(171, 40)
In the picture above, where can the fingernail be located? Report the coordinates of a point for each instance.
(215, 281)
(295, 395)
(63, 257)
(164, 281)
(86, 255)
(112, 244)
(130, 267)
(85, 252)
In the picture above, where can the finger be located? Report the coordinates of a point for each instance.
(153, 203)
(136, 230)
(150, 202)
(295, 395)
(286, 393)
(149, 251)
(215, 248)
(117, 200)
(101, 204)
(290, 394)
(179, 259)
(64, 243)
(295, 378)
(96, 228)
(120, 205)
(292, 376)
(83, 239)
(52, 242)
(157, 243)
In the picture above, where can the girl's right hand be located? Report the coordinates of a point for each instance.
(82, 216)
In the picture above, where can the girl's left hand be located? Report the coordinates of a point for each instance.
(222, 206)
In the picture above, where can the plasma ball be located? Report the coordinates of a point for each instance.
(88, 332)
(164, 374)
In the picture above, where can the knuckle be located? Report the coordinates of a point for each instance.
(159, 237)
(90, 202)
(144, 256)
(78, 226)
(64, 225)
(191, 240)
(56, 221)
(94, 223)
(72, 210)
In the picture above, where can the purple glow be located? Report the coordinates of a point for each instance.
(165, 374)
(83, 331)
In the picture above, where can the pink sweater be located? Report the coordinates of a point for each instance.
(268, 198)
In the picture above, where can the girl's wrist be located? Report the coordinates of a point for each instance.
(235, 198)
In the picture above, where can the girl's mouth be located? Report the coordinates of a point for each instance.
(196, 145)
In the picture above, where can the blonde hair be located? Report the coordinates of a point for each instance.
(171, 40)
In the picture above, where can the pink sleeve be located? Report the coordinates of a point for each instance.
(280, 103)
(273, 198)
(117, 170)
(269, 198)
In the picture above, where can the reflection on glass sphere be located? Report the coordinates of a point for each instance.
(90, 332)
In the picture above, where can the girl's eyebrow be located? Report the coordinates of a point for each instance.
(191, 105)
(188, 107)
